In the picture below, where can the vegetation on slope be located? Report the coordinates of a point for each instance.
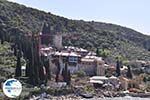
(7, 59)
(90, 35)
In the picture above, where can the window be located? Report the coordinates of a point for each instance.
(73, 59)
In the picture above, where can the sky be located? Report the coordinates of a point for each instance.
(134, 14)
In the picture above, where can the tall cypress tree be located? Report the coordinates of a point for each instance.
(2, 35)
(2, 31)
(58, 71)
(66, 73)
(69, 78)
(37, 59)
(45, 61)
(118, 65)
(18, 66)
(97, 52)
(33, 76)
(31, 64)
(15, 49)
(129, 73)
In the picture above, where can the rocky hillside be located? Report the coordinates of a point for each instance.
(115, 39)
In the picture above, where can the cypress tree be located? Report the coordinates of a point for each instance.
(69, 78)
(27, 68)
(57, 72)
(41, 73)
(2, 36)
(15, 50)
(31, 64)
(47, 66)
(36, 60)
(33, 76)
(63, 74)
(2, 32)
(118, 65)
(18, 66)
(66, 73)
(97, 52)
(129, 73)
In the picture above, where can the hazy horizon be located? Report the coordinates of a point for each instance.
(132, 14)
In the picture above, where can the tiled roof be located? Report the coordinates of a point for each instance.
(66, 54)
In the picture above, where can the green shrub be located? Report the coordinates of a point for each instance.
(80, 73)
(88, 89)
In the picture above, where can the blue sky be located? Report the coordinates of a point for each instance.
(134, 14)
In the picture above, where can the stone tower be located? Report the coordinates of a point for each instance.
(100, 67)
(57, 40)
(51, 37)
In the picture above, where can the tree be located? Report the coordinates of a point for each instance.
(27, 68)
(2, 33)
(145, 79)
(129, 73)
(102, 52)
(66, 73)
(69, 78)
(118, 65)
(97, 52)
(58, 71)
(45, 61)
(18, 66)
(32, 54)
(46, 28)
(36, 59)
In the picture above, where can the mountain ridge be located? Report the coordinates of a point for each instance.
(91, 35)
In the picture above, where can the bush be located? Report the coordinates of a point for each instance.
(36, 91)
(80, 73)
(88, 89)
(61, 91)
(148, 87)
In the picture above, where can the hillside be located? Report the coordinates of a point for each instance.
(117, 40)
(7, 61)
